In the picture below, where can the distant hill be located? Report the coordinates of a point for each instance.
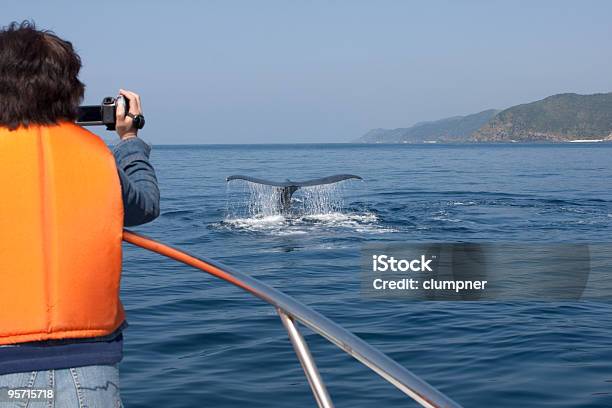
(454, 129)
(562, 117)
(558, 118)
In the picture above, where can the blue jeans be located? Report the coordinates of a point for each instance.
(82, 387)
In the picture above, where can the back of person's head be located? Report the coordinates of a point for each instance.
(39, 81)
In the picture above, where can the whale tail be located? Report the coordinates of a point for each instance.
(289, 187)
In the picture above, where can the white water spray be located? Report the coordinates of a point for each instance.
(259, 201)
(323, 199)
(258, 207)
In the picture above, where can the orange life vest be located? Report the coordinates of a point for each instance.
(61, 222)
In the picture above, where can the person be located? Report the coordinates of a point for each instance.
(65, 200)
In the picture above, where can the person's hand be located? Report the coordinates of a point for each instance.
(124, 124)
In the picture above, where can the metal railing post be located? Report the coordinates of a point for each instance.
(308, 364)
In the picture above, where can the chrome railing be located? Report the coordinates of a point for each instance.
(291, 311)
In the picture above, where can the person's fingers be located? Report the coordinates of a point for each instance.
(138, 103)
(120, 110)
(134, 99)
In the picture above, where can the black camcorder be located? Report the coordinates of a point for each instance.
(105, 114)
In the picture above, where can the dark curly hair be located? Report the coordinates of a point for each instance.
(39, 81)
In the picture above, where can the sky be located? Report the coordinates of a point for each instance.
(325, 71)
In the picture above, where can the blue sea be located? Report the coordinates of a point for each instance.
(196, 341)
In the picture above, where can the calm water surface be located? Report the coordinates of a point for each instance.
(195, 341)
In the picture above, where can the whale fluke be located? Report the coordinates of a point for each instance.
(288, 187)
(289, 183)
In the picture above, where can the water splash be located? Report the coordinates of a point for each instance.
(264, 201)
(260, 201)
(323, 199)
(257, 208)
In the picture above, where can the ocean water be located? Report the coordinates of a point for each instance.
(195, 341)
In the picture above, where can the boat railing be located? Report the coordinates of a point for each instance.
(291, 312)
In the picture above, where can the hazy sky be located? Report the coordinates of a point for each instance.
(317, 71)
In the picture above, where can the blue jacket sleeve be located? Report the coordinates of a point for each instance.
(138, 182)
